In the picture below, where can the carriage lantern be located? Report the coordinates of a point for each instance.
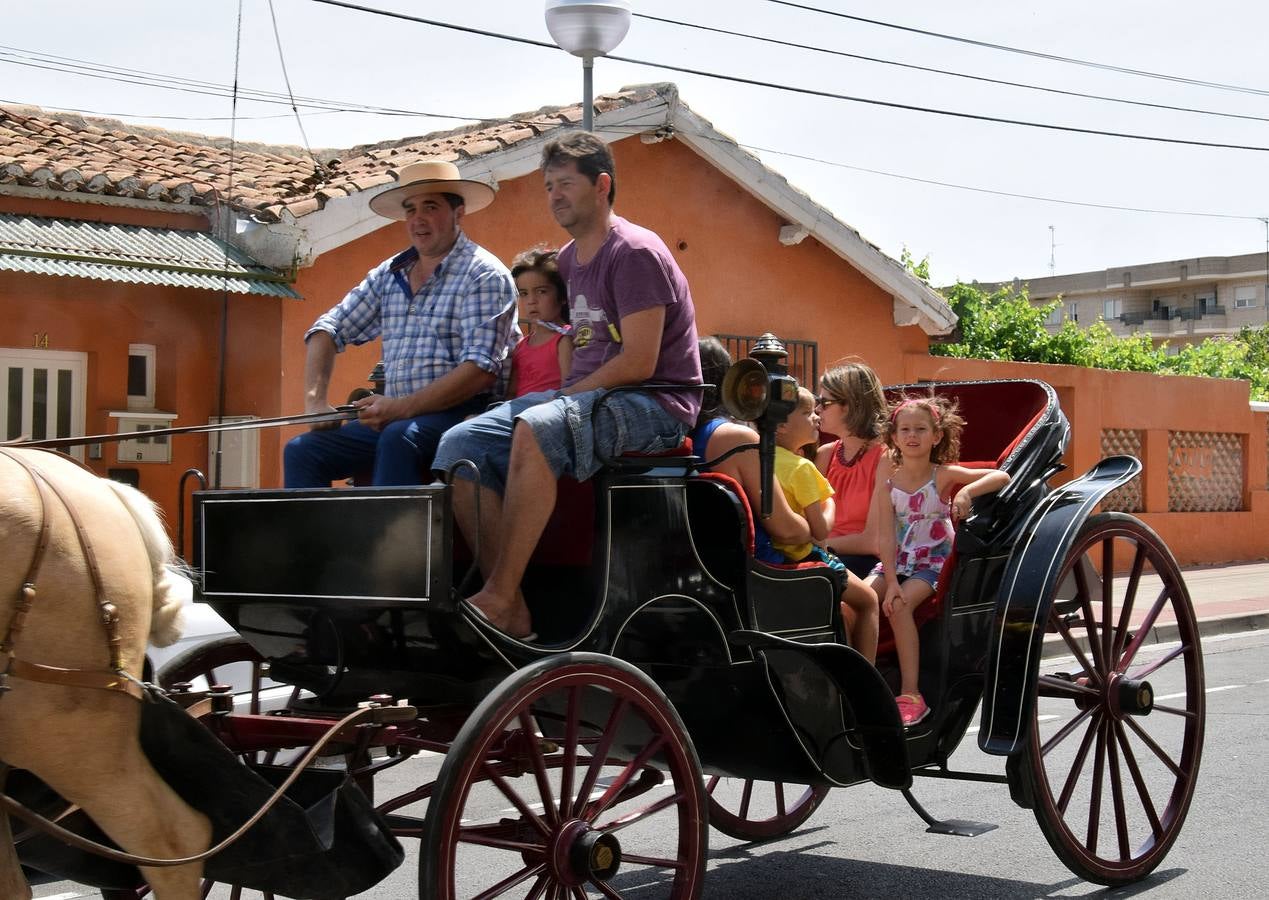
(760, 390)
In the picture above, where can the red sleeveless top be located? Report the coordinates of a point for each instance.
(853, 486)
(537, 368)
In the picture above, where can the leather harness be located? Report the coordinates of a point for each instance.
(117, 678)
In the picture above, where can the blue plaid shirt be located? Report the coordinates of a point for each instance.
(466, 310)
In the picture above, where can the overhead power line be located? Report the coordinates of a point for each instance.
(936, 71)
(1034, 53)
(812, 92)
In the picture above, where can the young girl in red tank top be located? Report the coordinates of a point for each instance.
(543, 357)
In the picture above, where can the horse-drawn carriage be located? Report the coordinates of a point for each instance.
(675, 682)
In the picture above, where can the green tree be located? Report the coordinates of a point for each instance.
(1004, 325)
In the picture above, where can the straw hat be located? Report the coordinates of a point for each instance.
(431, 176)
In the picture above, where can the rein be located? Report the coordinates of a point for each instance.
(117, 678)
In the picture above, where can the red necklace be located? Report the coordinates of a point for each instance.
(859, 454)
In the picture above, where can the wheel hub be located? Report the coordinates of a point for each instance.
(581, 853)
(1130, 696)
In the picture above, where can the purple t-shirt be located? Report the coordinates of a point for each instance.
(633, 271)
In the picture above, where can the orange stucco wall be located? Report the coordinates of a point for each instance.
(102, 318)
(1095, 399)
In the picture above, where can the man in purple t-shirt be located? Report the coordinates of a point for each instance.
(633, 323)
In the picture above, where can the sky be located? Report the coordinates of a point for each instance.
(875, 167)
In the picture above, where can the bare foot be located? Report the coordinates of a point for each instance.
(510, 615)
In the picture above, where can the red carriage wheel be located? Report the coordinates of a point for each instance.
(1114, 747)
(763, 810)
(225, 660)
(544, 792)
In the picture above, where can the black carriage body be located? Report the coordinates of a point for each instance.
(348, 594)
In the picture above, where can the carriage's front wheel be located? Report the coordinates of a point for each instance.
(1115, 743)
(574, 778)
(763, 810)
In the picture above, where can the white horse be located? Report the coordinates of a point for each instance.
(104, 551)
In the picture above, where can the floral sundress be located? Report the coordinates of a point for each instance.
(923, 528)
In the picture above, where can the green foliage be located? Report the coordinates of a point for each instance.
(920, 269)
(1005, 326)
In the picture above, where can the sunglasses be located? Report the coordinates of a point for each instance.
(828, 401)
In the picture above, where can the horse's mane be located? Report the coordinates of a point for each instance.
(172, 589)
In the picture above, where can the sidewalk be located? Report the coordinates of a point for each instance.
(1227, 599)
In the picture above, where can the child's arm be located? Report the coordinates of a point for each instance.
(977, 482)
(819, 515)
(565, 355)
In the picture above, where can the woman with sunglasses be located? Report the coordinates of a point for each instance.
(852, 406)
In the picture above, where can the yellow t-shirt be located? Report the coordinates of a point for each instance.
(803, 485)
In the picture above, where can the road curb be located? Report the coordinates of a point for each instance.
(1212, 626)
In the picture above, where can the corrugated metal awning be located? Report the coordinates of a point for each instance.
(133, 253)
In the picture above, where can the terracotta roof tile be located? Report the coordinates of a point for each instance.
(66, 152)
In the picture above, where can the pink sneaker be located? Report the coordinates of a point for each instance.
(912, 709)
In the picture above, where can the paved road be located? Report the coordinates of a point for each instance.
(864, 842)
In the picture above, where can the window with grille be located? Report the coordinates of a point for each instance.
(1245, 297)
(1112, 308)
(803, 359)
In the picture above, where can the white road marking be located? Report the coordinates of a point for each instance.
(1211, 690)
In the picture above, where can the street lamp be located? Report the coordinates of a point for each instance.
(587, 28)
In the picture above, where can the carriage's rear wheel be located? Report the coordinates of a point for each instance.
(751, 810)
(225, 660)
(546, 792)
(1114, 747)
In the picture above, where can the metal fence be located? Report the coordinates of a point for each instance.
(803, 360)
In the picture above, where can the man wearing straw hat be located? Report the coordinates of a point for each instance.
(446, 311)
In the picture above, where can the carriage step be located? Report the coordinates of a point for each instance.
(958, 827)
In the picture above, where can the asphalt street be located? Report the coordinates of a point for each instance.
(865, 842)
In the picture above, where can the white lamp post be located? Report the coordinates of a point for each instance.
(587, 28)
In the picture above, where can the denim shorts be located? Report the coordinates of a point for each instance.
(627, 422)
(929, 576)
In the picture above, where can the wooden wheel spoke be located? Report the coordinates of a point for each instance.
(595, 809)
(1117, 792)
(1077, 765)
(516, 800)
(1143, 792)
(491, 836)
(1060, 688)
(1064, 732)
(608, 735)
(746, 795)
(575, 892)
(538, 763)
(654, 861)
(539, 887)
(1174, 711)
(1076, 650)
(640, 814)
(569, 766)
(1130, 597)
(1095, 794)
(713, 782)
(1144, 627)
(1108, 601)
(779, 798)
(1084, 589)
(1155, 748)
(511, 881)
(1160, 662)
(606, 889)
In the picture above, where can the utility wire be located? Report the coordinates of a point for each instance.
(277, 37)
(736, 79)
(1034, 53)
(930, 69)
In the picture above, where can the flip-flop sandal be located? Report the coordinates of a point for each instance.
(529, 638)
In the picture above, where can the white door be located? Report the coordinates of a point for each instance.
(42, 394)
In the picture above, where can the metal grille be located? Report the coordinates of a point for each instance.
(803, 360)
(1205, 471)
(1123, 442)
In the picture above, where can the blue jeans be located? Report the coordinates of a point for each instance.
(400, 454)
(628, 422)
